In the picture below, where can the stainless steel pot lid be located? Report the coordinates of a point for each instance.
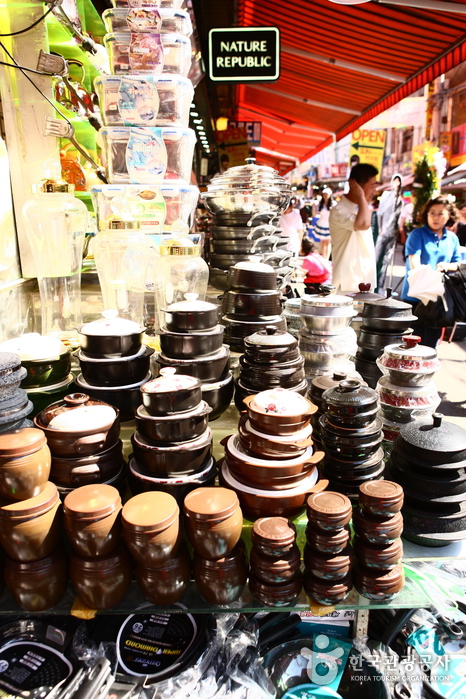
(271, 337)
(408, 349)
(364, 294)
(308, 301)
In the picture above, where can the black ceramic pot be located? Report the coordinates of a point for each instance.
(258, 376)
(246, 278)
(110, 346)
(180, 398)
(172, 460)
(126, 399)
(372, 343)
(185, 346)
(142, 482)
(46, 372)
(218, 395)
(181, 427)
(368, 369)
(210, 368)
(433, 441)
(351, 404)
(252, 304)
(118, 371)
(237, 330)
(191, 316)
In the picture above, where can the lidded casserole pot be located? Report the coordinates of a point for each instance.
(326, 313)
(387, 314)
(409, 363)
(351, 404)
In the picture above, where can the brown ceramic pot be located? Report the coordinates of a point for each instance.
(276, 424)
(151, 528)
(327, 592)
(222, 581)
(273, 536)
(213, 521)
(327, 566)
(329, 511)
(167, 583)
(37, 585)
(377, 530)
(103, 582)
(30, 529)
(275, 569)
(380, 585)
(92, 519)
(24, 463)
(330, 542)
(275, 595)
(377, 556)
(381, 498)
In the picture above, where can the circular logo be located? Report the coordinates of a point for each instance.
(137, 627)
(4, 665)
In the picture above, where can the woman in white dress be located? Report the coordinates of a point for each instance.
(321, 229)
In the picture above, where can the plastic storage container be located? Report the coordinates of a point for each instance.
(164, 20)
(144, 100)
(147, 3)
(148, 53)
(147, 155)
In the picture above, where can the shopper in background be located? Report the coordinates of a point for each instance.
(374, 219)
(353, 252)
(388, 213)
(321, 229)
(432, 244)
(292, 227)
(405, 222)
(319, 269)
(460, 227)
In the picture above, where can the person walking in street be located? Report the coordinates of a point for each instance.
(434, 245)
(292, 227)
(391, 203)
(353, 253)
(321, 229)
(460, 226)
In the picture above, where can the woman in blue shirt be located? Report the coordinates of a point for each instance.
(432, 244)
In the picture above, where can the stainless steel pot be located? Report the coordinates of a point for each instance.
(327, 325)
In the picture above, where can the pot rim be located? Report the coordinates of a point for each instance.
(292, 440)
(199, 411)
(204, 440)
(143, 352)
(239, 455)
(301, 489)
(223, 352)
(82, 383)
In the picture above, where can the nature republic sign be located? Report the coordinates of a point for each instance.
(244, 54)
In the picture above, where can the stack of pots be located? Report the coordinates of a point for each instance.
(327, 553)
(48, 364)
(114, 362)
(270, 463)
(192, 343)
(407, 391)
(251, 302)
(35, 568)
(275, 576)
(378, 524)
(351, 434)
(327, 342)
(214, 521)
(237, 199)
(172, 443)
(429, 461)
(83, 436)
(319, 384)
(359, 299)
(271, 360)
(384, 322)
(15, 405)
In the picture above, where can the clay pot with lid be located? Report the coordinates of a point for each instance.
(275, 595)
(191, 315)
(275, 569)
(380, 585)
(328, 511)
(363, 294)
(381, 498)
(167, 583)
(221, 581)
(408, 363)
(273, 536)
(24, 463)
(332, 542)
(255, 276)
(175, 459)
(377, 530)
(30, 529)
(319, 384)
(387, 314)
(102, 583)
(271, 345)
(208, 368)
(213, 521)
(432, 442)
(79, 425)
(327, 592)
(264, 445)
(92, 520)
(151, 528)
(97, 468)
(38, 585)
(116, 371)
(177, 427)
(110, 337)
(278, 411)
(258, 376)
(185, 345)
(328, 566)
(378, 556)
(350, 404)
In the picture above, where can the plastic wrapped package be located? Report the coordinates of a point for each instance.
(419, 397)
(148, 52)
(148, 3)
(148, 19)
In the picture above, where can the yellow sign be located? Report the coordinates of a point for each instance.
(368, 146)
(232, 147)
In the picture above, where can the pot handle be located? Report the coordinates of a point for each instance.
(224, 441)
(79, 471)
(247, 400)
(316, 457)
(319, 486)
(86, 445)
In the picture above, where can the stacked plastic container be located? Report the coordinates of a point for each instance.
(147, 145)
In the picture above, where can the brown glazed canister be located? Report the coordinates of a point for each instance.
(92, 519)
(330, 543)
(103, 582)
(381, 498)
(24, 463)
(327, 591)
(329, 511)
(168, 583)
(37, 585)
(275, 595)
(273, 536)
(30, 529)
(378, 556)
(222, 581)
(381, 585)
(327, 566)
(213, 521)
(375, 530)
(151, 528)
(275, 569)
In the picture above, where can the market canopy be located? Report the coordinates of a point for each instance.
(341, 65)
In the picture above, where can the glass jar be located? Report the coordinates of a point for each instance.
(179, 270)
(55, 227)
(121, 255)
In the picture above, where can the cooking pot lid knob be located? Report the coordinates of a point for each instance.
(389, 292)
(270, 329)
(348, 386)
(339, 375)
(250, 161)
(437, 417)
(364, 287)
(167, 371)
(411, 341)
(76, 398)
(191, 297)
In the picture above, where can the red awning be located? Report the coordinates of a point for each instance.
(341, 65)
